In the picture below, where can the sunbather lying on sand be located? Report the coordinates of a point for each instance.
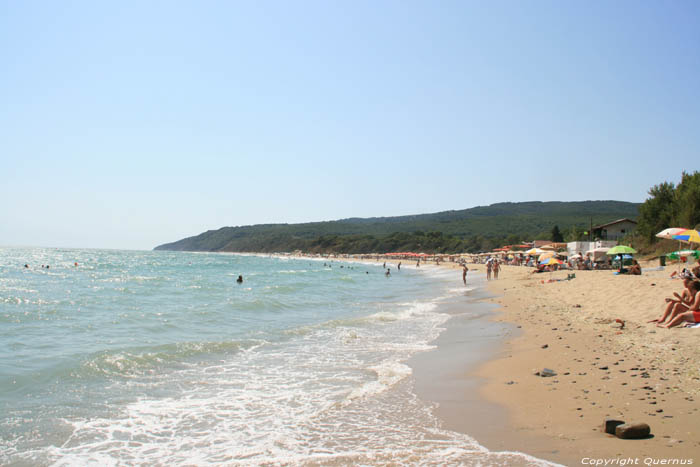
(688, 314)
(685, 298)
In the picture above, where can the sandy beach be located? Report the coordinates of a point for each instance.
(639, 373)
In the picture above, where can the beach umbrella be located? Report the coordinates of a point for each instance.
(549, 261)
(670, 232)
(534, 251)
(548, 247)
(545, 255)
(621, 250)
(683, 253)
(688, 236)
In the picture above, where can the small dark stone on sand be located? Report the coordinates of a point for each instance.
(610, 424)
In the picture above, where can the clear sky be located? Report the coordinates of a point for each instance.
(131, 124)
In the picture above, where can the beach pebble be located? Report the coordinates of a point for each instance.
(610, 424)
(632, 431)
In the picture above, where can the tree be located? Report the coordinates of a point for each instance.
(557, 237)
(687, 201)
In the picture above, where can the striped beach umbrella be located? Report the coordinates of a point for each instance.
(549, 261)
(688, 236)
(670, 232)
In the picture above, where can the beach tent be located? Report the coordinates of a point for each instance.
(598, 253)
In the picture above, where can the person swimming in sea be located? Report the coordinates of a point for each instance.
(240, 279)
(388, 273)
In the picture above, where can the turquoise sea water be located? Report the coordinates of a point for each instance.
(161, 358)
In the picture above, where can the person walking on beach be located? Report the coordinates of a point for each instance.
(496, 268)
(464, 274)
(488, 270)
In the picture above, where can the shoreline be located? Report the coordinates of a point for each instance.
(447, 375)
(637, 374)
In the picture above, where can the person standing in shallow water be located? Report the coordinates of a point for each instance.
(464, 274)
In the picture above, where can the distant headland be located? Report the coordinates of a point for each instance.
(468, 230)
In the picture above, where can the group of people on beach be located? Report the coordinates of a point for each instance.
(492, 266)
(683, 308)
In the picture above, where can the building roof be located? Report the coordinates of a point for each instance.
(613, 223)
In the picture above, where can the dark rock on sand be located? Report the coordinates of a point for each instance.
(632, 431)
(610, 424)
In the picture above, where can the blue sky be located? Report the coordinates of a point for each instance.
(130, 124)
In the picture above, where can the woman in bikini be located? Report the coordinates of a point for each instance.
(685, 298)
(691, 313)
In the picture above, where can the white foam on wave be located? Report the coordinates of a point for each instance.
(388, 373)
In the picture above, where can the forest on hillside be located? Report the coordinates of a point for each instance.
(470, 230)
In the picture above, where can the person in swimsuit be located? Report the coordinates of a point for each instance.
(496, 268)
(685, 298)
(240, 279)
(635, 269)
(464, 274)
(488, 270)
(688, 314)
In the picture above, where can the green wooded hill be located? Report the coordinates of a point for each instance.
(468, 230)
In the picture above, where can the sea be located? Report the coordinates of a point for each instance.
(114, 357)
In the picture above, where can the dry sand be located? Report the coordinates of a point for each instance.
(640, 373)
